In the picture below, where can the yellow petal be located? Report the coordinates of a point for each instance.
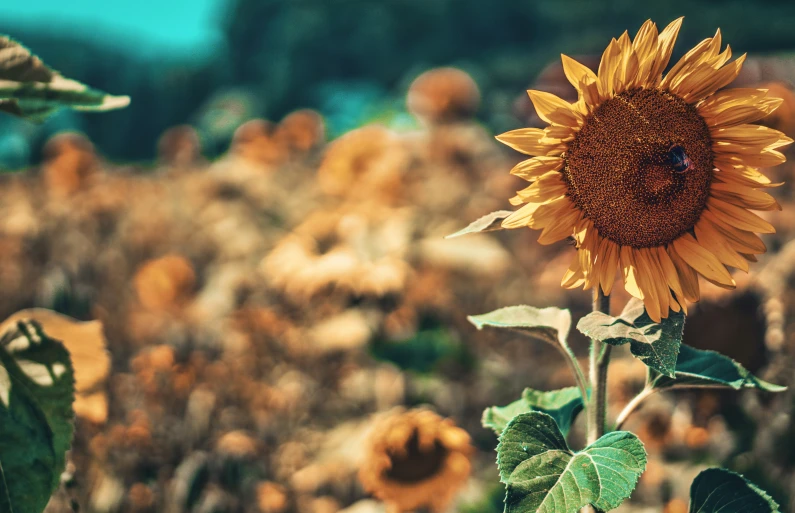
(766, 158)
(648, 280)
(739, 217)
(554, 110)
(528, 141)
(710, 238)
(704, 262)
(549, 212)
(741, 114)
(687, 276)
(669, 271)
(630, 271)
(609, 267)
(665, 46)
(560, 228)
(573, 277)
(695, 88)
(576, 72)
(743, 196)
(532, 169)
(520, 217)
(611, 59)
(741, 240)
(750, 135)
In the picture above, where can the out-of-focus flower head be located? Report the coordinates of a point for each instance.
(301, 130)
(443, 95)
(179, 146)
(69, 163)
(416, 459)
(165, 284)
(254, 142)
(367, 163)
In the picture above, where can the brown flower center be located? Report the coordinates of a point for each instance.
(417, 464)
(640, 168)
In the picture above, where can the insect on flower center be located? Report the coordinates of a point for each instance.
(640, 168)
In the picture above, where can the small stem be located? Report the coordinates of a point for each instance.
(600, 360)
(632, 405)
(579, 377)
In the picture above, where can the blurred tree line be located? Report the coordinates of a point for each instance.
(349, 55)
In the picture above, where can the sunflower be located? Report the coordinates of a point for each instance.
(416, 459)
(654, 175)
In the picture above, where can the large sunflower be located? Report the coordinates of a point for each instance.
(653, 175)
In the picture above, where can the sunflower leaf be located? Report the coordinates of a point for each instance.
(656, 345)
(562, 405)
(719, 490)
(551, 324)
(541, 473)
(697, 367)
(36, 395)
(30, 89)
(488, 223)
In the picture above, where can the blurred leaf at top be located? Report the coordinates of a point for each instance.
(31, 90)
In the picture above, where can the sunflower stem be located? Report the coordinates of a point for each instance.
(600, 359)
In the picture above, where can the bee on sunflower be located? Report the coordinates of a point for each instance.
(654, 174)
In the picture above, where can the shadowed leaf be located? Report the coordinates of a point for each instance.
(656, 345)
(29, 89)
(697, 367)
(717, 490)
(562, 405)
(36, 395)
(543, 475)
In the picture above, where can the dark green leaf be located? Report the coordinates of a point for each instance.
(488, 223)
(696, 367)
(542, 474)
(549, 324)
(717, 490)
(562, 405)
(29, 89)
(656, 345)
(36, 396)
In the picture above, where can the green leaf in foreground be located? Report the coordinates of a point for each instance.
(697, 367)
(562, 405)
(488, 223)
(549, 324)
(36, 396)
(542, 474)
(29, 89)
(656, 345)
(717, 490)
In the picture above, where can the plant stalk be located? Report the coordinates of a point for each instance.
(600, 359)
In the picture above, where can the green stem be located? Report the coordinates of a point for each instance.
(579, 377)
(600, 359)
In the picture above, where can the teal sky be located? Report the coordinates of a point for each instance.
(176, 26)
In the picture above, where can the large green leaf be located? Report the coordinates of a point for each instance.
(29, 89)
(697, 367)
(656, 345)
(36, 395)
(543, 475)
(549, 324)
(562, 405)
(717, 490)
(488, 223)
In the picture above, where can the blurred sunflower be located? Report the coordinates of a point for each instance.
(416, 459)
(655, 175)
